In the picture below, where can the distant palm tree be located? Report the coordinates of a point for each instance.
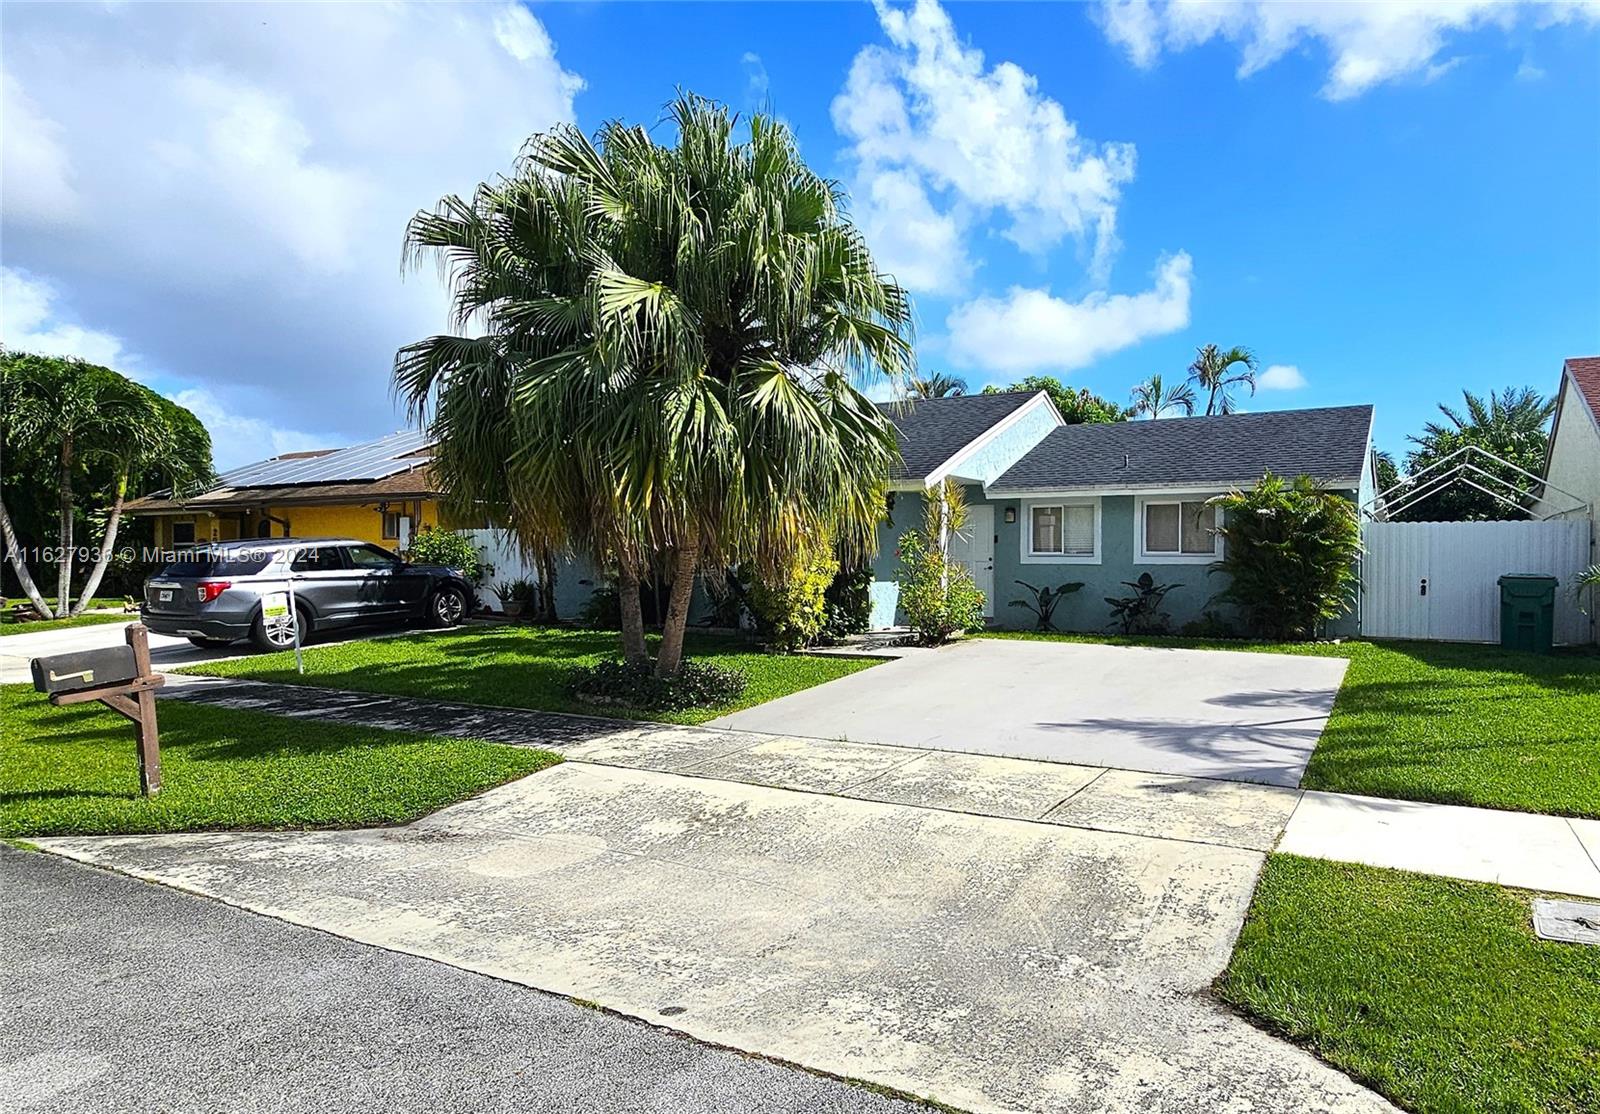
(1155, 398)
(1212, 371)
(939, 385)
(1508, 415)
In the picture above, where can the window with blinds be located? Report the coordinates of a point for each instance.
(1067, 530)
(1185, 528)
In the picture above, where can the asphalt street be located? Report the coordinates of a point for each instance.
(126, 996)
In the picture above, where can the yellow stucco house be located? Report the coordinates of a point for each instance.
(381, 491)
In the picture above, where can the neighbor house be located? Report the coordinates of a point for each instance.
(1049, 502)
(1572, 465)
(381, 491)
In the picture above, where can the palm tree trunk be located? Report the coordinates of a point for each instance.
(633, 648)
(547, 588)
(683, 566)
(107, 545)
(64, 532)
(24, 577)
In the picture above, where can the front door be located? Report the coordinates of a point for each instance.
(972, 547)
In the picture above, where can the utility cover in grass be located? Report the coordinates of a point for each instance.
(1572, 922)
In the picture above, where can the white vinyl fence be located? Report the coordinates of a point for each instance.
(1438, 580)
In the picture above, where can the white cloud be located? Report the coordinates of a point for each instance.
(1281, 377)
(1031, 330)
(33, 319)
(242, 435)
(223, 188)
(29, 322)
(756, 81)
(1367, 43)
(926, 113)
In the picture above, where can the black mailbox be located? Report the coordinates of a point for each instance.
(87, 669)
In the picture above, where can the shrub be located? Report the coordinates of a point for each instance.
(433, 546)
(1290, 554)
(635, 685)
(849, 603)
(603, 609)
(938, 596)
(792, 605)
(1141, 612)
(1212, 624)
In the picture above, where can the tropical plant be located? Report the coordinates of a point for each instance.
(1045, 601)
(446, 548)
(792, 603)
(849, 602)
(669, 342)
(1153, 398)
(939, 385)
(1290, 550)
(1217, 372)
(84, 422)
(1511, 424)
(1589, 578)
(1077, 407)
(1141, 612)
(938, 596)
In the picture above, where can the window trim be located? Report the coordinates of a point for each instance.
(1025, 542)
(1143, 556)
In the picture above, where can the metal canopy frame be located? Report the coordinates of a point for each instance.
(1459, 467)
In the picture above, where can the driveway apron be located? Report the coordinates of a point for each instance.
(989, 962)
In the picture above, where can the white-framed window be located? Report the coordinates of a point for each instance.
(1061, 531)
(1176, 531)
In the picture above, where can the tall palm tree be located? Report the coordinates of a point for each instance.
(1154, 398)
(938, 385)
(670, 342)
(1214, 372)
(1515, 413)
(70, 415)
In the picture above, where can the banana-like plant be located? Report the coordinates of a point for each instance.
(1045, 601)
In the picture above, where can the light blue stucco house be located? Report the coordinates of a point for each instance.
(1050, 502)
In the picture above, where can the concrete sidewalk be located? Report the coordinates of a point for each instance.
(1522, 849)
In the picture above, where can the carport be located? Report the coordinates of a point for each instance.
(1200, 713)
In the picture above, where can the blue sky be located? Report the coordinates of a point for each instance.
(1396, 202)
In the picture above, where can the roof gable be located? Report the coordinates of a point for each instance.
(931, 431)
(1584, 371)
(1328, 444)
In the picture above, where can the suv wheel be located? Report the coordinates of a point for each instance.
(447, 607)
(279, 634)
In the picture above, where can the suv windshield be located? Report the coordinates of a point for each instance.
(218, 562)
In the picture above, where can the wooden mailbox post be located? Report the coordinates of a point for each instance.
(119, 677)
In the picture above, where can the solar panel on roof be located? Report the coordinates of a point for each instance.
(370, 461)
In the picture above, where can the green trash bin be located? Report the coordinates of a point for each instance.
(1528, 612)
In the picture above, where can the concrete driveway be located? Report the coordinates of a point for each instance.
(1198, 713)
(994, 933)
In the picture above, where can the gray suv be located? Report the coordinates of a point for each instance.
(212, 595)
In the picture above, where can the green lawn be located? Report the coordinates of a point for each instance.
(1435, 993)
(522, 667)
(10, 626)
(1459, 724)
(72, 770)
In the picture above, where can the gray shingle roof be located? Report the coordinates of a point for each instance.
(932, 430)
(1328, 444)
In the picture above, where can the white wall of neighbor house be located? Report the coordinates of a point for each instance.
(1574, 467)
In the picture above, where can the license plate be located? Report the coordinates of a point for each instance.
(165, 597)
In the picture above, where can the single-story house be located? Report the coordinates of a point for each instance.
(1049, 502)
(1572, 463)
(380, 491)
